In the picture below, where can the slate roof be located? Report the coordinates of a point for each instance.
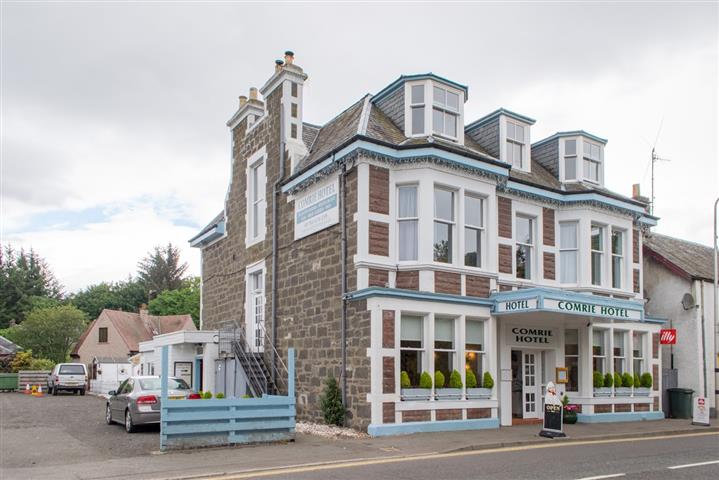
(218, 218)
(134, 328)
(7, 347)
(694, 259)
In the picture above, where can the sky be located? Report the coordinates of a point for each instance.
(113, 114)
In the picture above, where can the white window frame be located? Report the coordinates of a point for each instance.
(574, 355)
(251, 297)
(412, 106)
(452, 351)
(605, 345)
(422, 355)
(622, 358)
(589, 159)
(516, 144)
(618, 256)
(600, 253)
(642, 358)
(475, 228)
(429, 105)
(565, 249)
(446, 111)
(452, 224)
(533, 240)
(257, 162)
(480, 353)
(414, 219)
(570, 157)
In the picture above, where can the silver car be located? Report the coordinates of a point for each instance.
(137, 400)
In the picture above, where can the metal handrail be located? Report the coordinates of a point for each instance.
(239, 348)
(280, 372)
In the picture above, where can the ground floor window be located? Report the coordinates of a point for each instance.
(444, 350)
(571, 358)
(619, 352)
(599, 352)
(474, 348)
(411, 347)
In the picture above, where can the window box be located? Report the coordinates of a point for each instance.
(603, 392)
(413, 394)
(448, 393)
(642, 392)
(479, 393)
(622, 391)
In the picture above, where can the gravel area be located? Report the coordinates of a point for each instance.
(328, 431)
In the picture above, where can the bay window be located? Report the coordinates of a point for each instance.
(568, 252)
(474, 348)
(444, 349)
(411, 345)
(570, 159)
(599, 350)
(597, 247)
(571, 358)
(445, 112)
(473, 230)
(407, 222)
(638, 360)
(417, 108)
(524, 227)
(617, 258)
(515, 144)
(619, 352)
(443, 225)
(592, 162)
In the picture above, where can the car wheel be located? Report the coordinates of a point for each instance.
(82, 392)
(108, 414)
(129, 426)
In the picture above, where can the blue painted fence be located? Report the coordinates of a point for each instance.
(227, 421)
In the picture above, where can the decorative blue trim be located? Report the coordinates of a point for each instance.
(656, 320)
(208, 236)
(419, 76)
(619, 417)
(383, 430)
(497, 113)
(417, 295)
(573, 133)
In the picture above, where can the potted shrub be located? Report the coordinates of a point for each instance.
(424, 391)
(601, 389)
(645, 385)
(569, 411)
(454, 389)
(623, 387)
(483, 392)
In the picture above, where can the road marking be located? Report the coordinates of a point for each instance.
(598, 477)
(294, 469)
(689, 465)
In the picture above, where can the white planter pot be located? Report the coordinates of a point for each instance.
(448, 393)
(479, 393)
(602, 392)
(622, 391)
(409, 394)
(642, 392)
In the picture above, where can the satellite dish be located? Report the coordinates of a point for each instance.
(688, 301)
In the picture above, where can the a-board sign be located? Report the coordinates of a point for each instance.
(552, 418)
(700, 414)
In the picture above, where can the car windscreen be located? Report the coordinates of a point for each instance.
(172, 384)
(72, 370)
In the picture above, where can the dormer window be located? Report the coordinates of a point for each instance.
(592, 162)
(445, 112)
(515, 144)
(417, 107)
(570, 159)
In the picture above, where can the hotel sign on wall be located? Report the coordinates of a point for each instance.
(592, 309)
(517, 305)
(317, 208)
(531, 336)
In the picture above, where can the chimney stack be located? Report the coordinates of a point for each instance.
(253, 93)
(243, 100)
(635, 191)
(289, 57)
(278, 65)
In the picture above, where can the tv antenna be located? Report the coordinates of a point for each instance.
(656, 158)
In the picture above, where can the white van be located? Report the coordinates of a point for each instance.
(67, 376)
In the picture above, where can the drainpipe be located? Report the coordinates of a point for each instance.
(343, 269)
(704, 341)
(275, 194)
(716, 305)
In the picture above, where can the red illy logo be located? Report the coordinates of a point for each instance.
(668, 336)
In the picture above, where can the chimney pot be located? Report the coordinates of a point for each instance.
(243, 100)
(635, 191)
(253, 93)
(278, 65)
(289, 57)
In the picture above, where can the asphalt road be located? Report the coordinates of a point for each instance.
(656, 459)
(65, 429)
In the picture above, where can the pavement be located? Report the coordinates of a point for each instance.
(66, 437)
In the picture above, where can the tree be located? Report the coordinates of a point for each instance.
(24, 278)
(50, 332)
(161, 269)
(331, 403)
(183, 301)
(126, 296)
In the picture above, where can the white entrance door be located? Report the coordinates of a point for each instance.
(531, 385)
(256, 312)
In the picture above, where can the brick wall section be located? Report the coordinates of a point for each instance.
(309, 308)
(388, 375)
(641, 407)
(656, 404)
(407, 279)
(449, 414)
(635, 280)
(635, 245)
(505, 258)
(487, 136)
(504, 217)
(655, 377)
(479, 413)
(378, 277)
(447, 282)
(549, 268)
(655, 345)
(388, 328)
(393, 106)
(547, 155)
(602, 408)
(388, 412)
(415, 416)
(378, 238)
(378, 190)
(476, 286)
(623, 407)
(548, 226)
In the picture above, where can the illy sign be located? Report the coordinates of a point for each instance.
(668, 336)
